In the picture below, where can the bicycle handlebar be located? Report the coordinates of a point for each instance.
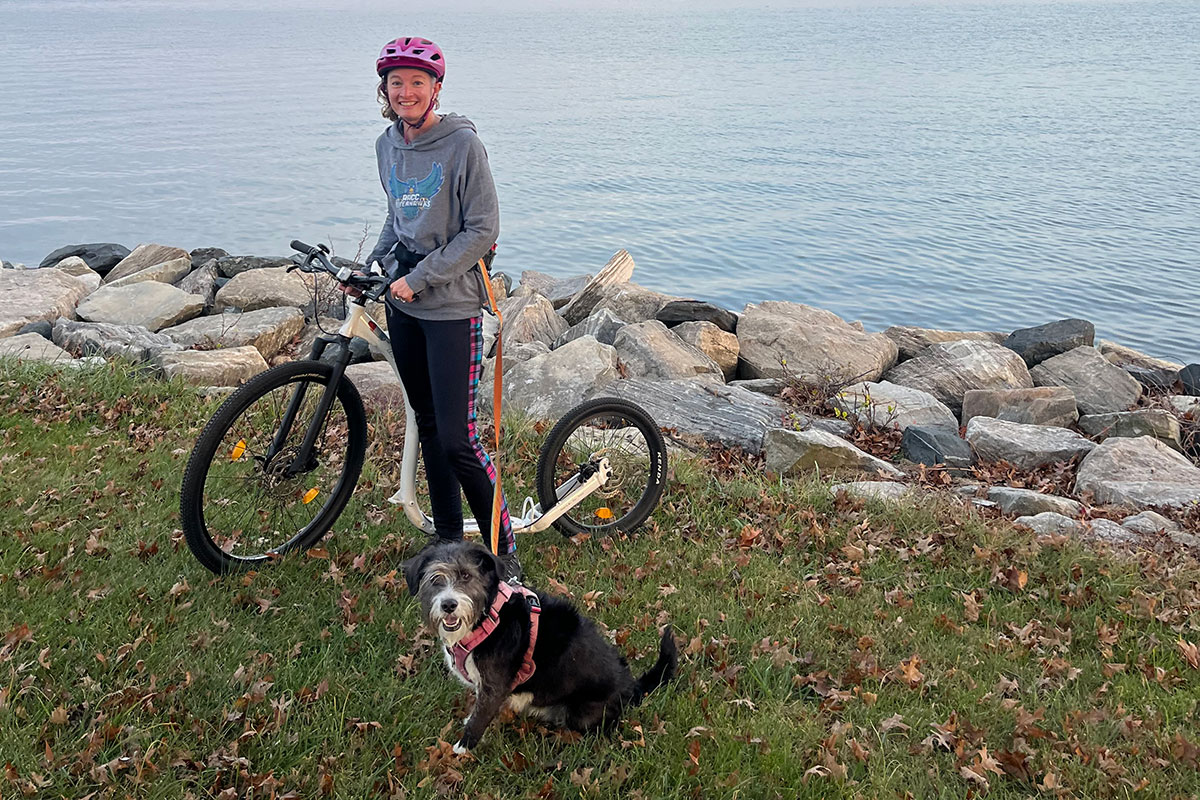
(307, 249)
(372, 286)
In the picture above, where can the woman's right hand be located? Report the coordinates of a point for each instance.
(400, 291)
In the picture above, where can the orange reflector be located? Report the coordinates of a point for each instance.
(238, 450)
(604, 513)
(310, 495)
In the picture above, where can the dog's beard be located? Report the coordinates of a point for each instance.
(452, 627)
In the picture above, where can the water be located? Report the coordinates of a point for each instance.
(957, 166)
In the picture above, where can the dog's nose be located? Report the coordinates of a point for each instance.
(448, 606)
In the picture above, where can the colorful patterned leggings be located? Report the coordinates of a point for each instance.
(440, 362)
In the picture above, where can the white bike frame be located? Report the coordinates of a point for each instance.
(532, 519)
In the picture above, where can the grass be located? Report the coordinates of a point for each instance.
(831, 648)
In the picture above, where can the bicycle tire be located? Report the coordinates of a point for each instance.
(220, 466)
(637, 454)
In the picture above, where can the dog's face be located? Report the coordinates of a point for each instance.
(456, 583)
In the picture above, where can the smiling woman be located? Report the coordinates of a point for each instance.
(442, 220)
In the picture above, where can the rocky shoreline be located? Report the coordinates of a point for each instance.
(784, 381)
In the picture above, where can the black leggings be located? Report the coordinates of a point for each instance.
(440, 362)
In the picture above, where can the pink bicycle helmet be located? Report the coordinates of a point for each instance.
(412, 51)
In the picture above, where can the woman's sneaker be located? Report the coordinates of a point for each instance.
(510, 567)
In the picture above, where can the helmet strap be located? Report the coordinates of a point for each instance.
(404, 127)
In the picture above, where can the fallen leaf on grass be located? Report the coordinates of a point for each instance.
(970, 606)
(1190, 653)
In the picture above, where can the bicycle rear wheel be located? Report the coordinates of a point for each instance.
(244, 499)
(623, 433)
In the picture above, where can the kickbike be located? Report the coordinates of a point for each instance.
(277, 463)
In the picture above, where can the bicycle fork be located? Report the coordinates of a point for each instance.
(304, 458)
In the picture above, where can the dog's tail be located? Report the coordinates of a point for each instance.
(663, 669)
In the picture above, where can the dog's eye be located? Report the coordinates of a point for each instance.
(464, 576)
(438, 580)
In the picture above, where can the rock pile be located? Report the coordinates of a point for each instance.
(1028, 397)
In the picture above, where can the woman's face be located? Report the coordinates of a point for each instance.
(410, 91)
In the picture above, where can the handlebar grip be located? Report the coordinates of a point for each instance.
(306, 249)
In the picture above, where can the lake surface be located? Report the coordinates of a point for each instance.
(955, 166)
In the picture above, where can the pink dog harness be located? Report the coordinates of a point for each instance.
(462, 649)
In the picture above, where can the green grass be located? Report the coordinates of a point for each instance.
(828, 650)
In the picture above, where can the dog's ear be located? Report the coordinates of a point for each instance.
(414, 568)
(488, 563)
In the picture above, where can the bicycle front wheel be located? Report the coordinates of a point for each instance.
(247, 498)
(623, 433)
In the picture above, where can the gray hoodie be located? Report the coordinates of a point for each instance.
(441, 202)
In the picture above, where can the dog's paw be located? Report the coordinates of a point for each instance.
(460, 749)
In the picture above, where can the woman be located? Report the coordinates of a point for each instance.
(442, 218)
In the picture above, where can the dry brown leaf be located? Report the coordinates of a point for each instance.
(1190, 653)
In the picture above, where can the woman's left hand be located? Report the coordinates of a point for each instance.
(400, 291)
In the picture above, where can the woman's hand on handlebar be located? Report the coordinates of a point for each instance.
(400, 291)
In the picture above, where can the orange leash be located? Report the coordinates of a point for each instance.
(498, 369)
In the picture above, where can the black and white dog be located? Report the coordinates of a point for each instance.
(531, 650)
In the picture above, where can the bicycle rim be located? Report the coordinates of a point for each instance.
(624, 435)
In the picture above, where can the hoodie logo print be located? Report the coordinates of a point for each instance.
(412, 196)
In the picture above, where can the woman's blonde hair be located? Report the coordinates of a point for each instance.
(381, 94)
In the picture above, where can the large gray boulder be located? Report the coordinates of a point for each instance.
(874, 490)
(703, 408)
(201, 281)
(649, 350)
(530, 319)
(632, 302)
(618, 270)
(267, 329)
(100, 256)
(1051, 523)
(232, 266)
(33, 295)
(1024, 446)
(887, 404)
(32, 347)
(779, 339)
(602, 326)
(549, 385)
(1099, 386)
(718, 344)
(1139, 472)
(678, 312)
(1037, 344)
(265, 288)
(228, 366)
(558, 291)
(1151, 372)
(167, 272)
(934, 445)
(1156, 422)
(378, 385)
(145, 256)
(78, 268)
(1022, 502)
(152, 305)
(203, 255)
(1041, 405)
(791, 452)
(910, 340)
(517, 354)
(132, 342)
(1149, 523)
(950, 369)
